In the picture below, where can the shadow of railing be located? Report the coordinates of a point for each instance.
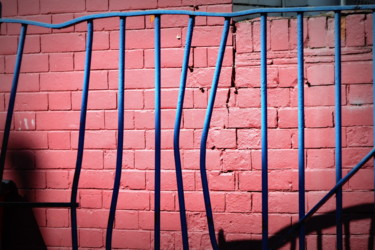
(318, 223)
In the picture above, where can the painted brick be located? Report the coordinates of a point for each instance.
(57, 217)
(200, 57)
(96, 139)
(356, 72)
(355, 30)
(96, 5)
(357, 115)
(90, 179)
(351, 156)
(90, 198)
(52, 159)
(368, 29)
(170, 58)
(277, 159)
(133, 180)
(317, 32)
(287, 118)
(96, 100)
(359, 136)
(219, 181)
(56, 237)
(28, 139)
(9, 8)
(250, 77)
(134, 79)
(293, 32)
(207, 36)
(127, 220)
(61, 81)
(321, 96)
(111, 119)
(217, 8)
(57, 120)
(136, 200)
(238, 202)
(134, 99)
(360, 94)
(31, 102)
(28, 82)
(225, 138)
(33, 63)
(278, 97)
(236, 160)
(320, 158)
(9, 45)
(59, 101)
(91, 238)
(59, 42)
(62, 18)
(239, 222)
(132, 5)
(132, 239)
(320, 179)
(362, 180)
(55, 6)
(247, 97)
(287, 76)
(212, 54)
(169, 180)
(186, 139)
(167, 202)
(320, 74)
(279, 34)
(191, 159)
(58, 179)
(319, 117)
(195, 201)
(320, 137)
(89, 218)
(24, 121)
(61, 62)
(248, 138)
(244, 37)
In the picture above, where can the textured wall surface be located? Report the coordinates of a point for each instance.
(44, 138)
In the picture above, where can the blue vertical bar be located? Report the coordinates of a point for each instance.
(373, 89)
(81, 136)
(338, 142)
(176, 141)
(157, 134)
(12, 98)
(206, 127)
(120, 133)
(264, 139)
(301, 129)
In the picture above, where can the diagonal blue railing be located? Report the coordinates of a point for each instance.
(303, 216)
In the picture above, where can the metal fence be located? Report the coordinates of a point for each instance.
(303, 215)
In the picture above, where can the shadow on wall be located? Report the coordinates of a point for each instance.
(316, 224)
(19, 228)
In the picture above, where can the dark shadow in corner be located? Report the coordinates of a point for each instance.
(19, 228)
(316, 224)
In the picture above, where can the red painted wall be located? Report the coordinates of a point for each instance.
(44, 139)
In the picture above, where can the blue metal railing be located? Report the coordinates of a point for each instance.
(303, 216)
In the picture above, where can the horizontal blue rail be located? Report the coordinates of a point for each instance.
(206, 126)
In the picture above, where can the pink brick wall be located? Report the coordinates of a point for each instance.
(43, 142)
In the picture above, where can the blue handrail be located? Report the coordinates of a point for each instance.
(337, 189)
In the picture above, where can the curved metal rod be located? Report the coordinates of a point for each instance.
(206, 126)
(120, 131)
(264, 127)
(301, 130)
(81, 136)
(176, 138)
(12, 98)
(157, 134)
(189, 13)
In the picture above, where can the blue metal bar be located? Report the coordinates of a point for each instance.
(189, 13)
(120, 132)
(206, 127)
(81, 136)
(12, 98)
(264, 138)
(176, 138)
(301, 128)
(157, 134)
(338, 142)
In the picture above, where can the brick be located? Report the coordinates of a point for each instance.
(56, 237)
(167, 201)
(57, 217)
(27, 179)
(293, 32)
(31, 63)
(96, 5)
(317, 32)
(360, 94)
(90, 179)
(55, 6)
(195, 201)
(96, 139)
(359, 136)
(238, 202)
(248, 138)
(320, 74)
(134, 79)
(217, 8)
(27, 83)
(352, 156)
(279, 34)
(287, 118)
(61, 81)
(9, 8)
(191, 159)
(24, 121)
(250, 77)
(52, 159)
(276, 204)
(244, 37)
(225, 138)
(132, 239)
(28, 140)
(52, 195)
(133, 180)
(96, 100)
(62, 18)
(319, 117)
(92, 218)
(186, 139)
(91, 238)
(287, 76)
(127, 220)
(207, 36)
(277, 159)
(278, 97)
(356, 72)
(200, 57)
(9, 45)
(61, 62)
(57, 120)
(363, 180)
(132, 5)
(169, 182)
(256, 35)
(134, 139)
(238, 222)
(32, 44)
(244, 118)
(320, 137)
(355, 30)
(357, 115)
(368, 29)
(59, 101)
(320, 158)
(59, 42)
(219, 181)
(170, 58)
(90, 198)
(134, 200)
(236, 160)
(320, 179)
(58, 179)
(31, 102)
(280, 138)
(111, 120)
(248, 98)
(321, 96)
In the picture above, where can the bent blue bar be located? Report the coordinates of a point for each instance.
(12, 98)
(206, 127)
(338, 136)
(264, 136)
(176, 138)
(157, 134)
(81, 136)
(301, 128)
(120, 133)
